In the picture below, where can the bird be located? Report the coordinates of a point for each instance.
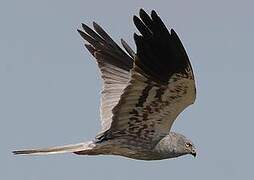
(143, 93)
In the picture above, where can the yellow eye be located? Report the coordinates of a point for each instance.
(188, 144)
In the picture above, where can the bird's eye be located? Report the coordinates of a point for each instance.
(188, 144)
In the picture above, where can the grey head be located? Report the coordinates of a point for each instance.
(174, 145)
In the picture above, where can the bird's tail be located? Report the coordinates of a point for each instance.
(72, 148)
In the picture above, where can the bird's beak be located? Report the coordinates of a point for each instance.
(194, 153)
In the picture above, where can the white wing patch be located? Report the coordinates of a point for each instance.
(114, 65)
(115, 80)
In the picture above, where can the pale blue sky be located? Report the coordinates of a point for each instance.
(50, 85)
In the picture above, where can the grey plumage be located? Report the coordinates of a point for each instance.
(143, 93)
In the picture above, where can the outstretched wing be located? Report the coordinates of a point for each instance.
(161, 86)
(114, 64)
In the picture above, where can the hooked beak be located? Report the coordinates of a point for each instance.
(194, 153)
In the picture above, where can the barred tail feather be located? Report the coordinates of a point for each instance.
(57, 150)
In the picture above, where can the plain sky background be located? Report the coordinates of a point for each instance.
(50, 88)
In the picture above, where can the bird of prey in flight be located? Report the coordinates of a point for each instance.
(143, 93)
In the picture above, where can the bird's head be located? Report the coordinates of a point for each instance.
(178, 145)
(174, 145)
(185, 146)
(190, 148)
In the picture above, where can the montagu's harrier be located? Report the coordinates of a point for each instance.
(142, 95)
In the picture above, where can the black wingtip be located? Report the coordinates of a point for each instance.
(136, 20)
(96, 25)
(80, 32)
(172, 32)
(141, 11)
(153, 13)
(128, 48)
(159, 50)
(84, 26)
(136, 37)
